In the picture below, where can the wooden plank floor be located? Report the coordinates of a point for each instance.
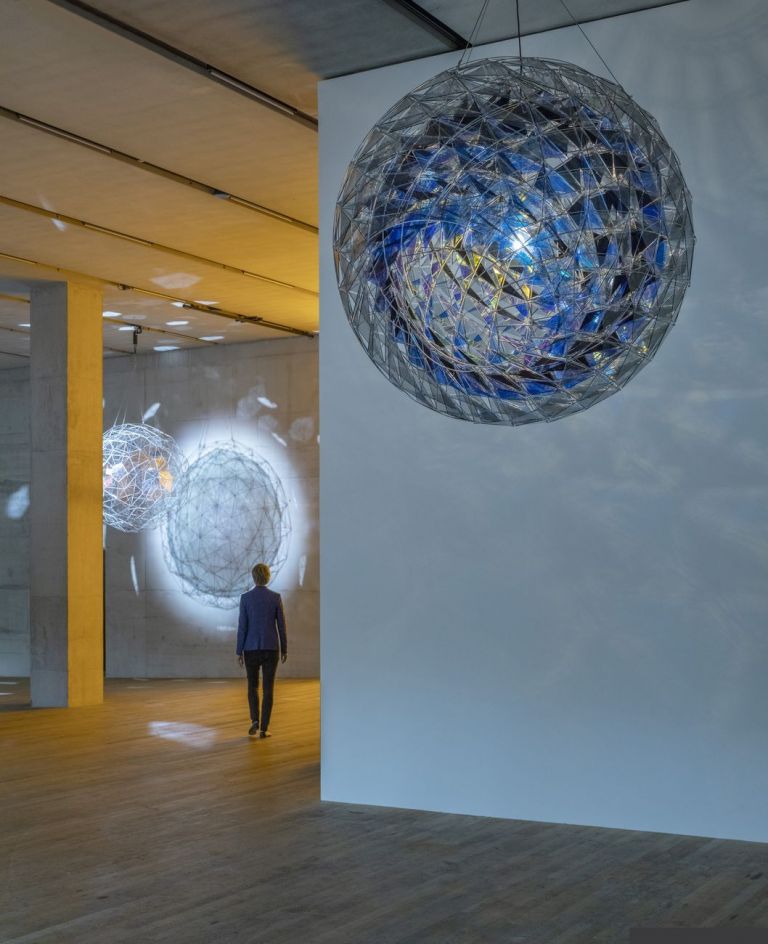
(153, 818)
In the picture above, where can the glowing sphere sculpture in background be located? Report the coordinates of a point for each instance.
(230, 513)
(513, 241)
(141, 466)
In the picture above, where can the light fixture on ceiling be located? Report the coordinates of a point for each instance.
(112, 314)
(251, 92)
(25, 325)
(161, 348)
(212, 337)
(176, 324)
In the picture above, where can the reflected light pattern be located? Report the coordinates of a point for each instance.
(141, 466)
(230, 513)
(192, 735)
(513, 241)
(17, 503)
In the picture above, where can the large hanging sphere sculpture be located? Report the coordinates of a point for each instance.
(141, 468)
(230, 513)
(513, 241)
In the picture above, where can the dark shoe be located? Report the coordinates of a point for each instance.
(265, 734)
(254, 728)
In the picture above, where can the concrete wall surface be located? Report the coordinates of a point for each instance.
(566, 621)
(15, 473)
(262, 395)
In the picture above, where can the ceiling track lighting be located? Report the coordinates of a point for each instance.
(147, 41)
(252, 92)
(125, 287)
(61, 133)
(113, 350)
(149, 244)
(14, 298)
(430, 23)
(146, 329)
(157, 170)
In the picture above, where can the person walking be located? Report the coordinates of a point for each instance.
(261, 641)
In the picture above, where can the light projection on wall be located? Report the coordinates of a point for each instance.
(141, 468)
(17, 503)
(513, 241)
(230, 512)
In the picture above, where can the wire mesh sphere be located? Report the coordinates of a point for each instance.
(141, 468)
(230, 513)
(513, 240)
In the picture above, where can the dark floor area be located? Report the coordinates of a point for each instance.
(154, 818)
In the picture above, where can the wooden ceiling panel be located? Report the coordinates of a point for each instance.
(282, 48)
(62, 69)
(92, 187)
(32, 237)
(58, 67)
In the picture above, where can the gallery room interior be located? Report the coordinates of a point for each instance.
(489, 663)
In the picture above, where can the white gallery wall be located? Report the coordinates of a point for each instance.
(567, 622)
(263, 396)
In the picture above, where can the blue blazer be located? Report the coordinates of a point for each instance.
(262, 621)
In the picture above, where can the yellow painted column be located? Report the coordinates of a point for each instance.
(66, 558)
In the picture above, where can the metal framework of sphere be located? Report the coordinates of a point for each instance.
(513, 240)
(230, 513)
(141, 468)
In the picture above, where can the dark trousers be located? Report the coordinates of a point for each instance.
(265, 659)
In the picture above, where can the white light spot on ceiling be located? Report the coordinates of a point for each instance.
(59, 224)
(176, 280)
(150, 412)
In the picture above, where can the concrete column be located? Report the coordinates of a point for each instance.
(66, 563)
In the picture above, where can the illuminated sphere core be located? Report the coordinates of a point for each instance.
(230, 514)
(141, 466)
(513, 241)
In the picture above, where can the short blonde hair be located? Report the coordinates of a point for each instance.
(261, 574)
